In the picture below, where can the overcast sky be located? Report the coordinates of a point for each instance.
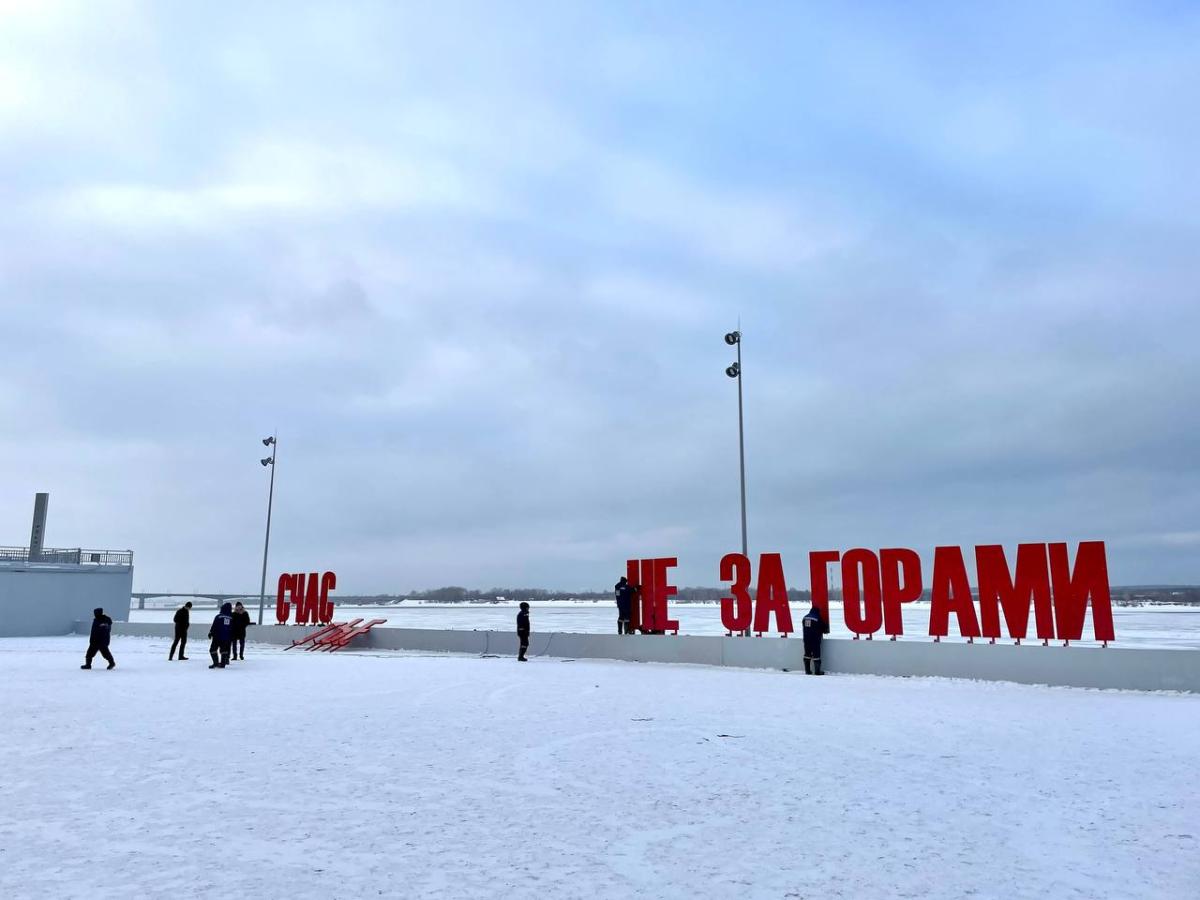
(475, 261)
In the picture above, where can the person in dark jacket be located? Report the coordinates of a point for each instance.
(98, 641)
(241, 621)
(221, 634)
(523, 631)
(183, 618)
(816, 626)
(624, 592)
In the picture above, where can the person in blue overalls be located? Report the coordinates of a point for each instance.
(816, 626)
(222, 636)
(624, 593)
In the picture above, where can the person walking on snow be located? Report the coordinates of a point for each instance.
(241, 621)
(523, 631)
(221, 634)
(98, 641)
(816, 626)
(183, 618)
(624, 592)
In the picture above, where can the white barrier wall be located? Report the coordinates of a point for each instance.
(38, 599)
(1131, 668)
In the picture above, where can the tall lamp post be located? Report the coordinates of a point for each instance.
(267, 461)
(734, 339)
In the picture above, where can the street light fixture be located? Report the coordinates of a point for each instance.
(734, 339)
(267, 461)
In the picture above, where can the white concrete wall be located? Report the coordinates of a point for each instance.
(1076, 666)
(50, 599)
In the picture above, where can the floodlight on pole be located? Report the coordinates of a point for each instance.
(267, 461)
(734, 339)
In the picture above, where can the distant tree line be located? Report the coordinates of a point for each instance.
(456, 594)
(1121, 596)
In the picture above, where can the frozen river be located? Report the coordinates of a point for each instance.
(1177, 627)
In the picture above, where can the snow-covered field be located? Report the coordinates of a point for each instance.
(355, 775)
(1171, 627)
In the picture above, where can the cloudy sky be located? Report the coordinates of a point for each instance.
(475, 260)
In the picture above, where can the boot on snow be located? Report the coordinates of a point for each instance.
(808, 665)
(86, 666)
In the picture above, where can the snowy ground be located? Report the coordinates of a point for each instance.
(354, 775)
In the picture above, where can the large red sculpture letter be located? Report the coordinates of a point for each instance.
(858, 619)
(325, 610)
(312, 600)
(282, 607)
(298, 596)
(951, 593)
(900, 570)
(737, 611)
(1030, 586)
(1072, 590)
(633, 575)
(771, 595)
(818, 577)
(662, 591)
(655, 592)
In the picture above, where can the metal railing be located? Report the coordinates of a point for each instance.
(75, 557)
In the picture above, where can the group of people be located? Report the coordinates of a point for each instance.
(228, 632)
(227, 635)
(815, 624)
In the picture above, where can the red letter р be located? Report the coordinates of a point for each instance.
(865, 617)
(901, 574)
(951, 593)
(771, 596)
(736, 610)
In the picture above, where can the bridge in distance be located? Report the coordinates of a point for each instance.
(217, 599)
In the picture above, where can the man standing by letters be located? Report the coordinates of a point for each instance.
(816, 626)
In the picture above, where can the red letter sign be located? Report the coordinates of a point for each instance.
(633, 570)
(654, 593)
(282, 607)
(736, 611)
(325, 611)
(1030, 586)
(951, 594)
(818, 577)
(771, 595)
(1072, 590)
(901, 573)
(858, 619)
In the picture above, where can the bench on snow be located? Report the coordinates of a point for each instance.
(339, 640)
(322, 634)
